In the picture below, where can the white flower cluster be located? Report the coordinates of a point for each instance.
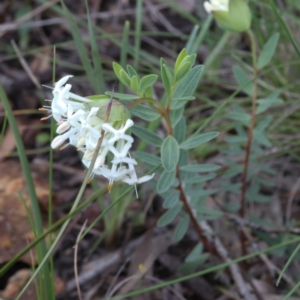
(81, 127)
(216, 5)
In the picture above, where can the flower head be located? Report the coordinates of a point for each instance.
(231, 15)
(80, 123)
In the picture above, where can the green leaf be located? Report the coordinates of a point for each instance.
(165, 182)
(208, 214)
(268, 51)
(186, 98)
(148, 92)
(195, 253)
(169, 153)
(182, 228)
(169, 215)
(123, 96)
(187, 86)
(132, 72)
(236, 139)
(148, 136)
(148, 158)
(171, 198)
(182, 71)
(190, 267)
(180, 130)
(201, 192)
(261, 138)
(147, 81)
(200, 168)
(243, 80)
(144, 112)
(200, 179)
(239, 116)
(262, 126)
(117, 69)
(134, 84)
(164, 76)
(271, 100)
(198, 140)
(180, 57)
(175, 115)
(125, 79)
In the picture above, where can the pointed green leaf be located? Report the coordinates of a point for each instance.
(171, 199)
(164, 76)
(182, 228)
(182, 71)
(149, 92)
(117, 68)
(198, 140)
(268, 51)
(176, 115)
(169, 153)
(180, 130)
(200, 179)
(148, 136)
(195, 253)
(187, 98)
(201, 193)
(169, 215)
(147, 81)
(243, 80)
(180, 57)
(134, 84)
(125, 79)
(165, 182)
(187, 86)
(148, 158)
(144, 112)
(123, 96)
(132, 72)
(200, 168)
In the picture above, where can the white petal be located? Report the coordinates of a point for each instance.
(127, 160)
(145, 178)
(61, 82)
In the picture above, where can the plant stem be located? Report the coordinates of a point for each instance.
(194, 221)
(184, 199)
(251, 128)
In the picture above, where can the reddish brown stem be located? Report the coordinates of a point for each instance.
(250, 138)
(194, 221)
(251, 128)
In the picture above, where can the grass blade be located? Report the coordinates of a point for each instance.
(80, 47)
(98, 72)
(31, 190)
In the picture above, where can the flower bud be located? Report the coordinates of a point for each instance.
(63, 127)
(231, 15)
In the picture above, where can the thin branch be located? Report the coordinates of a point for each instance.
(25, 65)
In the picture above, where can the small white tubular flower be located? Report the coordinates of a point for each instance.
(216, 5)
